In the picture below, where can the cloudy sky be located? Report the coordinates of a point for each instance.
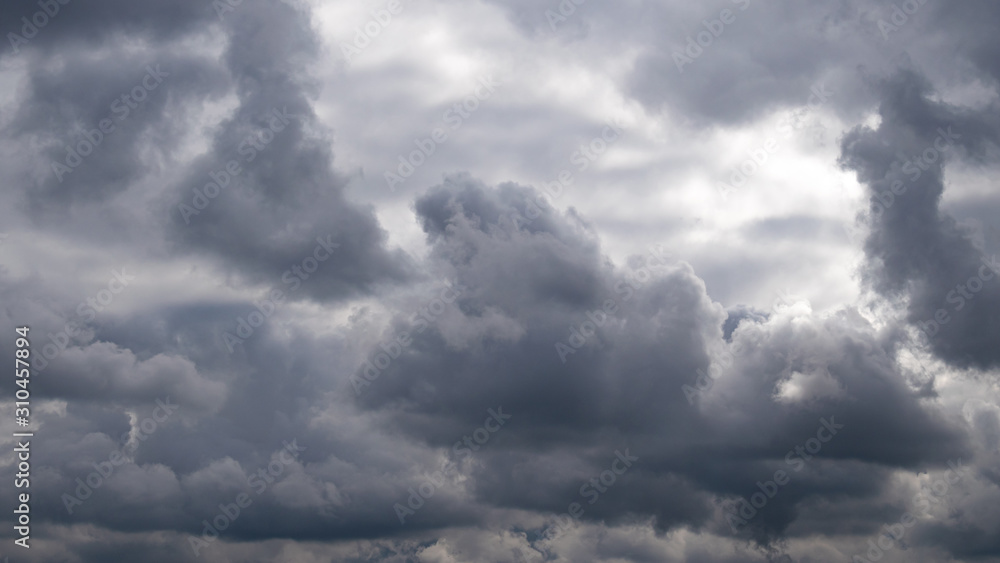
(450, 281)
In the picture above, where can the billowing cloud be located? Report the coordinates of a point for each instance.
(558, 339)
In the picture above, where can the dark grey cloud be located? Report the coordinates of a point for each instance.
(619, 392)
(621, 388)
(289, 195)
(512, 305)
(915, 249)
(72, 23)
(136, 108)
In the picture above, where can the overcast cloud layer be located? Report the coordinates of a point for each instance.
(503, 280)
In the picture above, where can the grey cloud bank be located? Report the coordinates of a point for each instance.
(271, 294)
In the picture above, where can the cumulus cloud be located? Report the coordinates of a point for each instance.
(545, 348)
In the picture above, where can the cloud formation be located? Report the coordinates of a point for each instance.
(247, 348)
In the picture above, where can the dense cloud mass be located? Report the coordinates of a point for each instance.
(502, 281)
(914, 248)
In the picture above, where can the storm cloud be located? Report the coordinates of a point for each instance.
(711, 282)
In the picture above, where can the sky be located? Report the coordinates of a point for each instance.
(501, 281)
